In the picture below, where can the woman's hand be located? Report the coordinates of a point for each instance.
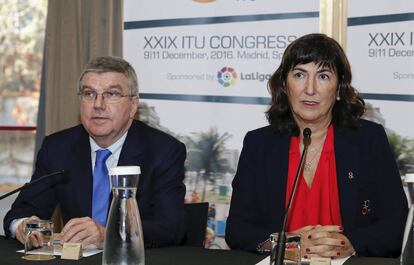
(324, 241)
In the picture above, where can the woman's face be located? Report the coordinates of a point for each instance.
(311, 91)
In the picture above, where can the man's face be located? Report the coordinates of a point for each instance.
(107, 121)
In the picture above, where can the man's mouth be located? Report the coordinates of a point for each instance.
(98, 117)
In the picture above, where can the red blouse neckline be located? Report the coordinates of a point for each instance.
(319, 203)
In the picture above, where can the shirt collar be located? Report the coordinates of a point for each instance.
(113, 147)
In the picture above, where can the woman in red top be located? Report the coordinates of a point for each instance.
(349, 197)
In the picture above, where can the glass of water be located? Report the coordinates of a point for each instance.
(38, 243)
(292, 249)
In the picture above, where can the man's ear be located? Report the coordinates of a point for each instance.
(135, 105)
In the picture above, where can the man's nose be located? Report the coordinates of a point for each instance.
(99, 101)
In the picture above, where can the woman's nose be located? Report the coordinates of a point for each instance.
(310, 86)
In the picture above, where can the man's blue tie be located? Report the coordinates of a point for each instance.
(101, 190)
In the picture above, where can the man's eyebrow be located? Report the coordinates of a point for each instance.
(84, 87)
(118, 87)
(115, 87)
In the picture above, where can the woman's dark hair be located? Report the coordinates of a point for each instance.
(326, 52)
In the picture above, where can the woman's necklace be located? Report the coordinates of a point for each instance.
(308, 164)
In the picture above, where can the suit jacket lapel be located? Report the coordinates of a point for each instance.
(132, 153)
(82, 174)
(347, 157)
(277, 171)
(133, 147)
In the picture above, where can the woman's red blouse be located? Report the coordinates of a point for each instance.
(318, 204)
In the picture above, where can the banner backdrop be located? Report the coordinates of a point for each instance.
(203, 68)
(381, 52)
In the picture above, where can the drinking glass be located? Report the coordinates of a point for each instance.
(42, 232)
(292, 249)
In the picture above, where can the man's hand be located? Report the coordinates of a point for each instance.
(35, 241)
(83, 230)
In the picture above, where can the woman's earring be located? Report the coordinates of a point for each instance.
(338, 98)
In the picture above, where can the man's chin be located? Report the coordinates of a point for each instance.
(98, 133)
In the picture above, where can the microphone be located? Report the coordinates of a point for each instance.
(281, 240)
(28, 184)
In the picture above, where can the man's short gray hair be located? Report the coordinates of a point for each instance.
(107, 64)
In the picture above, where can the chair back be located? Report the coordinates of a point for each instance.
(196, 224)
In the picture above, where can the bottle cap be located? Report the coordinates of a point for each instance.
(125, 170)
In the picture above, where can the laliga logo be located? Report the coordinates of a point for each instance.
(226, 76)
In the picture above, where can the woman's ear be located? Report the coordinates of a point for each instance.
(284, 87)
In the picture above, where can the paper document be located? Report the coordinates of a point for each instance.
(57, 251)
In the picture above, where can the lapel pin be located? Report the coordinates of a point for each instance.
(365, 207)
(350, 175)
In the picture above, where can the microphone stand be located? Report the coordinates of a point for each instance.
(28, 184)
(281, 240)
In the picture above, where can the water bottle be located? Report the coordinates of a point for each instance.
(124, 242)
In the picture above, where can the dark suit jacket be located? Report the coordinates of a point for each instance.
(366, 172)
(160, 193)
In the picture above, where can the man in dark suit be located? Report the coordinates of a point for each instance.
(108, 90)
